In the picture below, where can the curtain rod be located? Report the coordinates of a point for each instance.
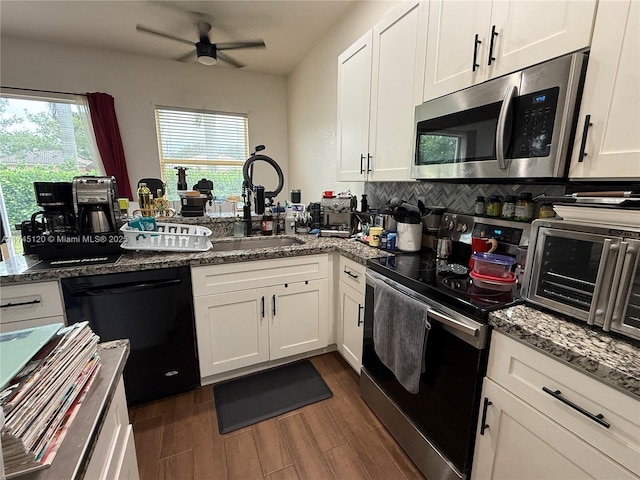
(43, 91)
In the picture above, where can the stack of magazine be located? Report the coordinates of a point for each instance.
(42, 397)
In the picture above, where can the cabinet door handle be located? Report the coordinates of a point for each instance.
(360, 321)
(475, 64)
(9, 305)
(494, 34)
(583, 142)
(352, 275)
(263, 306)
(596, 418)
(483, 422)
(369, 157)
(273, 302)
(361, 163)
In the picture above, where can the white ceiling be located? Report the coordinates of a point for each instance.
(289, 28)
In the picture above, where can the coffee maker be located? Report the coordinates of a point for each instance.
(57, 215)
(95, 201)
(336, 216)
(79, 219)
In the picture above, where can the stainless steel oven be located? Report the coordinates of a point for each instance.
(436, 426)
(588, 271)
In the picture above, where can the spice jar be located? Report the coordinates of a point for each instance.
(479, 208)
(546, 211)
(494, 206)
(524, 207)
(509, 207)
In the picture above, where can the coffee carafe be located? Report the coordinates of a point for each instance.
(95, 202)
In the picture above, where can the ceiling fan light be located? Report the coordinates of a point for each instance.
(207, 54)
(207, 60)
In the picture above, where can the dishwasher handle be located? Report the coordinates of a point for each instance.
(128, 288)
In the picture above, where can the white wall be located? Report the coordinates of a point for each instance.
(312, 90)
(138, 84)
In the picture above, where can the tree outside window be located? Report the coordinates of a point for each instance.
(41, 140)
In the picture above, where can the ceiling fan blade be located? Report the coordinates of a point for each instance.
(185, 57)
(229, 60)
(144, 29)
(236, 45)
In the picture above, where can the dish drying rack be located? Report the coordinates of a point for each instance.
(175, 237)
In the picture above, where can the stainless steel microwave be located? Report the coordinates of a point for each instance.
(519, 126)
(587, 271)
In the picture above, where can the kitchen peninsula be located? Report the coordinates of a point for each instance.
(100, 439)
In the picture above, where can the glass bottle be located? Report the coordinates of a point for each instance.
(546, 211)
(238, 228)
(494, 206)
(524, 207)
(509, 207)
(479, 207)
(145, 200)
(267, 222)
(364, 205)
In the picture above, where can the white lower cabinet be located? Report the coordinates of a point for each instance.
(520, 442)
(257, 322)
(30, 305)
(350, 315)
(114, 455)
(540, 418)
(232, 331)
(298, 318)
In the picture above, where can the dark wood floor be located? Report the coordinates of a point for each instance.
(338, 438)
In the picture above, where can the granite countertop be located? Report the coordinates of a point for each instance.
(77, 447)
(607, 357)
(14, 270)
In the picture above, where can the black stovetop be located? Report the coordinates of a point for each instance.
(444, 281)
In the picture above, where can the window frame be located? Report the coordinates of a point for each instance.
(198, 161)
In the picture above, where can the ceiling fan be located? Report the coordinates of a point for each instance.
(207, 53)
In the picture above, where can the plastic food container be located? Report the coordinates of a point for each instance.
(491, 283)
(493, 265)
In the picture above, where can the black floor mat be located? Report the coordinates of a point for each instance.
(257, 397)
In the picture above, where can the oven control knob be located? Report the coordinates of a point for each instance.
(462, 227)
(450, 225)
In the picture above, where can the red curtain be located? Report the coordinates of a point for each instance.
(105, 126)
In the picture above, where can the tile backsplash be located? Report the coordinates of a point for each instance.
(455, 197)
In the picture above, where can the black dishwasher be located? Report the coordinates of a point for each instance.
(154, 310)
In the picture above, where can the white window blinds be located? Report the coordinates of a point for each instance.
(212, 145)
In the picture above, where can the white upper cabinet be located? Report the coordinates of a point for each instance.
(354, 104)
(607, 143)
(380, 80)
(470, 41)
(455, 46)
(399, 48)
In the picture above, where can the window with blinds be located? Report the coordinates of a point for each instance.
(211, 145)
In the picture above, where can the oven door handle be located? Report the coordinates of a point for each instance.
(607, 248)
(624, 279)
(453, 323)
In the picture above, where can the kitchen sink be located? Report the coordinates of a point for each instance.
(254, 242)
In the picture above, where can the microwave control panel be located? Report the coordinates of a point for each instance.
(535, 115)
